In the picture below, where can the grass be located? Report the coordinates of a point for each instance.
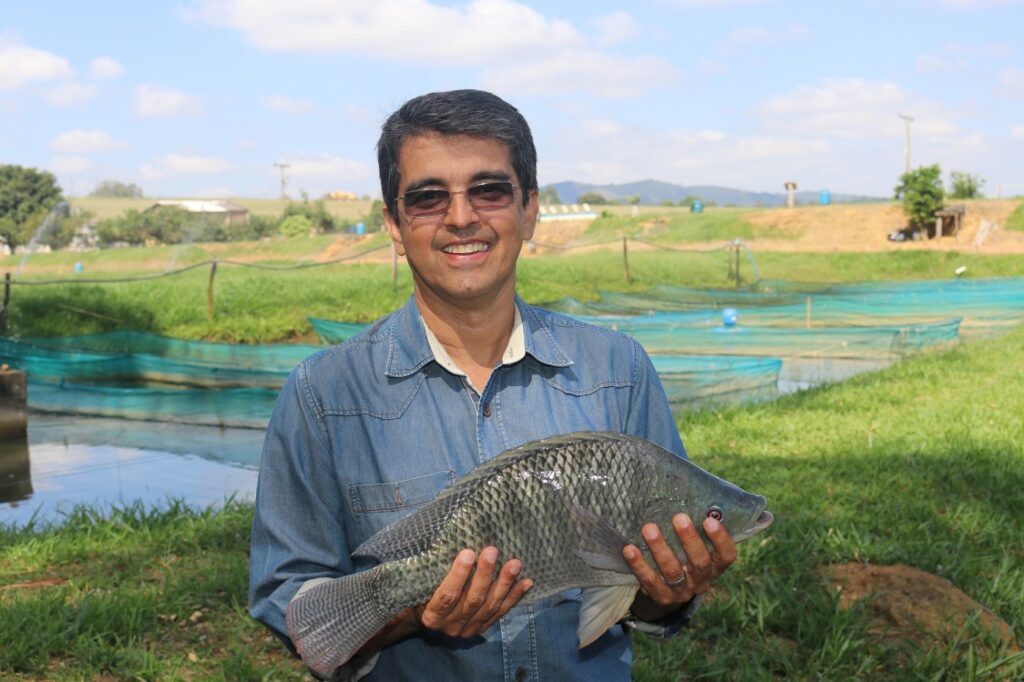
(262, 306)
(1016, 220)
(920, 465)
(680, 227)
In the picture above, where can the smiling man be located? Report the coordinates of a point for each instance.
(365, 432)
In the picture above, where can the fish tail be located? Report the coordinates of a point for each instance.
(331, 621)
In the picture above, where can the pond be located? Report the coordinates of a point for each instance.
(67, 461)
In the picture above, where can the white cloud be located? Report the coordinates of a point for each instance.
(156, 100)
(1017, 132)
(758, 36)
(1011, 82)
(956, 57)
(581, 71)
(714, 4)
(85, 142)
(617, 27)
(70, 93)
(288, 105)
(105, 68)
(977, 4)
(477, 32)
(330, 168)
(69, 165)
(854, 108)
(185, 164)
(20, 65)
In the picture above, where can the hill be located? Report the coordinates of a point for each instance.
(657, 192)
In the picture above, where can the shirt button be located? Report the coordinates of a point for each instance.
(487, 413)
(520, 674)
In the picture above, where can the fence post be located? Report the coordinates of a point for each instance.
(7, 300)
(625, 258)
(808, 312)
(209, 291)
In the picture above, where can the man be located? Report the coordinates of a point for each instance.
(368, 430)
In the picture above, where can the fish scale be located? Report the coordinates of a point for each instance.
(565, 506)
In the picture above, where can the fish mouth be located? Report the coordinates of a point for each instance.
(762, 522)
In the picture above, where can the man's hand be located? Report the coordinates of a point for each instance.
(672, 583)
(464, 606)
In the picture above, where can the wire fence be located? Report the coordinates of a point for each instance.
(733, 248)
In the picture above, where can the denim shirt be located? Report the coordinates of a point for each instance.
(365, 432)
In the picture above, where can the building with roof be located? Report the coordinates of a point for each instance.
(230, 212)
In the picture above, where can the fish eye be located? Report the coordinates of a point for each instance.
(715, 513)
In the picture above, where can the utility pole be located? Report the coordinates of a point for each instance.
(281, 165)
(906, 144)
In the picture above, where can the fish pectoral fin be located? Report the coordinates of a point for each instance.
(600, 543)
(602, 608)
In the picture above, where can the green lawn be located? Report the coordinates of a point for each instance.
(107, 207)
(920, 465)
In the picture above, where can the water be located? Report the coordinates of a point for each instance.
(61, 209)
(104, 463)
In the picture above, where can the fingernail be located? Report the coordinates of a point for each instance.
(466, 556)
(514, 569)
(528, 585)
(683, 521)
(629, 552)
(489, 554)
(712, 525)
(650, 532)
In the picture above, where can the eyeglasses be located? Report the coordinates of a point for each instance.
(435, 202)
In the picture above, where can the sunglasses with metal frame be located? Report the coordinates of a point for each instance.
(434, 202)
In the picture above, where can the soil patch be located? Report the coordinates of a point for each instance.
(908, 604)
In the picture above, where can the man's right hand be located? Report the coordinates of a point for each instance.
(468, 602)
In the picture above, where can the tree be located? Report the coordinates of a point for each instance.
(296, 225)
(965, 185)
(26, 197)
(922, 194)
(116, 189)
(549, 196)
(592, 198)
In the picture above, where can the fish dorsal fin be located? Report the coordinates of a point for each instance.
(602, 608)
(415, 533)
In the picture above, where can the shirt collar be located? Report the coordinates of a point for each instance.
(411, 345)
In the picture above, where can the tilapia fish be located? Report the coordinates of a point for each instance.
(565, 506)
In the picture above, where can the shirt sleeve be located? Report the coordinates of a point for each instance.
(651, 417)
(297, 533)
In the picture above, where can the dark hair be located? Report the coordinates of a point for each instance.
(456, 112)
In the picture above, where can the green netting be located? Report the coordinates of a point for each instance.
(690, 381)
(333, 331)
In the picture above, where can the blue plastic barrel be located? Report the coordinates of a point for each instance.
(697, 206)
(79, 267)
(360, 228)
(826, 198)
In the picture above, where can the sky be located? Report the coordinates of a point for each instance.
(201, 98)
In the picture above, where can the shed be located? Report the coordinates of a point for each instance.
(231, 212)
(948, 221)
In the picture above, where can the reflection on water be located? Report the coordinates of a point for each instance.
(107, 462)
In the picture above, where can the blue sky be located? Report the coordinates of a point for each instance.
(202, 97)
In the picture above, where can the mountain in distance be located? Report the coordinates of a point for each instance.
(657, 192)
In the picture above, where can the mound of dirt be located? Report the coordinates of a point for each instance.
(908, 604)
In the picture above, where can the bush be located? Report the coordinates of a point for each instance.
(594, 198)
(296, 225)
(965, 185)
(922, 194)
(113, 188)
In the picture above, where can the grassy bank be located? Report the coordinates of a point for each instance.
(918, 465)
(261, 306)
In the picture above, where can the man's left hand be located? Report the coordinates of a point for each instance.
(672, 582)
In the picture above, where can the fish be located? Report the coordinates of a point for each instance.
(565, 506)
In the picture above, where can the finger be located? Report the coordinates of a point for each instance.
(513, 597)
(476, 594)
(447, 595)
(664, 556)
(651, 581)
(725, 549)
(698, 559)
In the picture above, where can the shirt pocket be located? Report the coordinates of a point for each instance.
(376, 505)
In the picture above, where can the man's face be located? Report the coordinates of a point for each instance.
(466, 256)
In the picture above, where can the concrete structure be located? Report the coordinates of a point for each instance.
(13, 404)
(230, 212)
(790, 190)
